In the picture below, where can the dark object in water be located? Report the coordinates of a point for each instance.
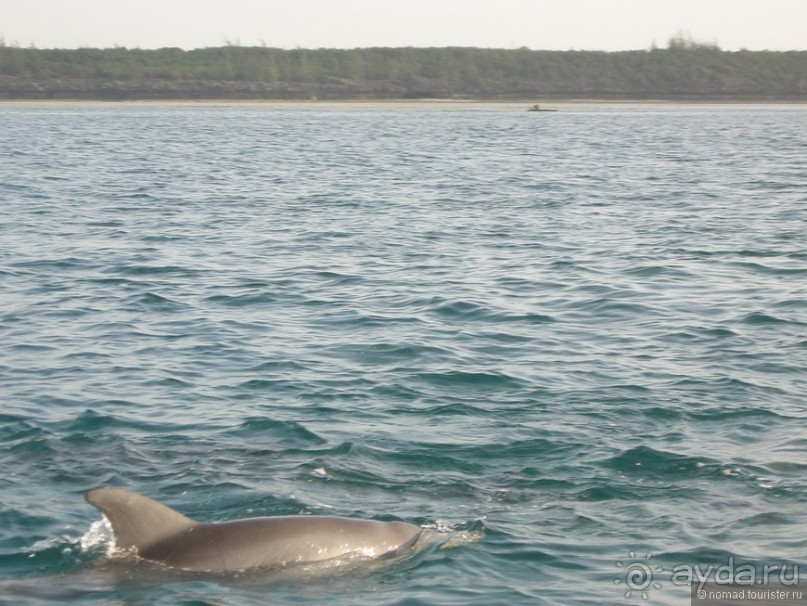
(538, 108)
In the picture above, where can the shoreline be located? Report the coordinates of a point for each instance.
(403, 104)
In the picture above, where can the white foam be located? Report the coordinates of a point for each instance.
(99, 535)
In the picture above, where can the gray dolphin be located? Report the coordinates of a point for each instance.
(158, 533)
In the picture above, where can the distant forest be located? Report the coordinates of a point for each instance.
(683, 70)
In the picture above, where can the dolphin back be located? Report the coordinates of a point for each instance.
(138, 522)
(158, 533)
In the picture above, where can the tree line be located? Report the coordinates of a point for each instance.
(680, 71)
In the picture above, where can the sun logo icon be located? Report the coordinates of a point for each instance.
(637, 575)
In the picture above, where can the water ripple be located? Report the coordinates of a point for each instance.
(584, 336)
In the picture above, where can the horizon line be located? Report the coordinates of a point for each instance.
(227, 44)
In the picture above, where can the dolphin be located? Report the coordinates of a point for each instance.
(157, 533)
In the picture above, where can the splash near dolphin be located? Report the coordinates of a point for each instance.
(157, 533)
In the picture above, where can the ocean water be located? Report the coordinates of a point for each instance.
(574, 341)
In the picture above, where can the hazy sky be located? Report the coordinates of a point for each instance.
(537, 24)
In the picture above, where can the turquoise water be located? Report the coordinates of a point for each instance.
(578, 337)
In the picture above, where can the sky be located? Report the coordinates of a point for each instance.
(537, 24)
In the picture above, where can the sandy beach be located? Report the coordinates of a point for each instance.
(403, 105)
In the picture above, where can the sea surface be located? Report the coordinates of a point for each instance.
(574, 342)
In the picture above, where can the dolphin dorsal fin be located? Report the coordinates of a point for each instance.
(138, 522)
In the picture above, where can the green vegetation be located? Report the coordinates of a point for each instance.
(684, 70)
